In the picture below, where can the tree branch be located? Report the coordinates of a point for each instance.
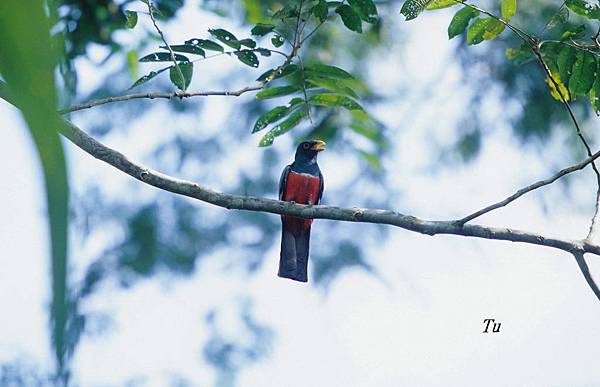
(361, 215)
(181, 95)
(585, 270)
(530, 188)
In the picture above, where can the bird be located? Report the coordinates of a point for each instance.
(301, 182)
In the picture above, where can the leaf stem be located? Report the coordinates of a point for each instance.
(162, 36)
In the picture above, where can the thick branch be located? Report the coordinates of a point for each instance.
(530, 188)
(248, 203)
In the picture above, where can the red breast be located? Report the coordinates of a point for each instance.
(301, 188)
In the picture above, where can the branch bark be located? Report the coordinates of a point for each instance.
(362, 215)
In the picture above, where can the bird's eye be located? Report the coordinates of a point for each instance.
(305, 145)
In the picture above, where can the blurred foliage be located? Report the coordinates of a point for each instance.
(27, 64)
(161, 233)
(229, 354)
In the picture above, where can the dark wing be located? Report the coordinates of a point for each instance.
(283, 182)
(320, 188)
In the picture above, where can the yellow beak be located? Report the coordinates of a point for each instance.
(319, 146)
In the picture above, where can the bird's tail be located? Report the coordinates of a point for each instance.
(293, 259)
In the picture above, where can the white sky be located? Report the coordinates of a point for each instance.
(420, 326)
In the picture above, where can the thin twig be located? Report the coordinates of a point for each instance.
(530, 188)
(162, 36)
(585, 270)
(595, 218)
(304, 93)
(237, 52)
(574, 44)
(181, 95)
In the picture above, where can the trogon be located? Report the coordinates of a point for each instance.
(301, 182)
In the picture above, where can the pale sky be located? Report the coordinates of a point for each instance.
(419, 325)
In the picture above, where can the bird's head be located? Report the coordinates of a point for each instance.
(308, 150)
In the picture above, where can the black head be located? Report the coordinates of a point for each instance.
(308, 150)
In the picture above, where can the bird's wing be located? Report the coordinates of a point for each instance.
(283, 182)
(321, 188)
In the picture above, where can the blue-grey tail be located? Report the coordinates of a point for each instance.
(293, 259)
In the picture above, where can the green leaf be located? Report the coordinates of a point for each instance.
(334, 100)
(132, 63)
(248, 57)
(293, 120)
(262, 29)
(331, 84)
(595, 92)
(248, 43)
(350, 18)
(192, 49)
(476, 31)
(520, 55)
(321, 11)
(285, 71)
(508, 9)
(583, 73)
(366, 9)
(493, 29)
(225, 37)
(439, 4)
(131, 19)
(187, 69)
(263, 51)
(147, 77)
(206, 44)
(573, 33)
(483, 29)
(269, 117)
(560, 18)
(565, 61)
(413, 8)
(587, 8)
(460, 21)
(328, 71)
(163, 57)
(273, 92)
(373, 159)
(285, 13)
(364, 125)
(277, 40)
